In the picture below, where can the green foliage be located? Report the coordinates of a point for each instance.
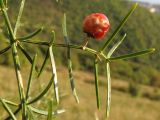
(17, 42)
(139, 35)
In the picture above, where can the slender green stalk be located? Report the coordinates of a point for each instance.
(17, 63)
(19, 79)
(7, 21)
(89, 50)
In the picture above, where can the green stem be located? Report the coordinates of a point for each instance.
(7, 21)
(17, 63)
(89, 50)
(19, 80)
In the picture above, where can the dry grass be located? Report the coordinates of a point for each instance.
(124, 107)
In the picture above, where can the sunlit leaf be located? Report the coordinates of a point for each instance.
(54, 71)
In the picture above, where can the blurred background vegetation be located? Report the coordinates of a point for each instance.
(142, 31)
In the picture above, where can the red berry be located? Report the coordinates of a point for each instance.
(96, 25)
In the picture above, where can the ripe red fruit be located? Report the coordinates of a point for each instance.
(96, 25)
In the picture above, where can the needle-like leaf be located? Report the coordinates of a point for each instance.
(132, 55)
(70, 70)
(50, 109)
(44, 43)
(6, 107)
(42, 112)
(15, 112)
(19, 16)
(25, 53)
(115, 47)
(108, 102)
(30, 35)
(119, 28)
(31, 76)
(10, 102)
(53, 65)
(96, 81)
(30, 114)
(5, 49)
(44, 63)
(64, 26)
(43, 92)
(109, 77)
(7, 21)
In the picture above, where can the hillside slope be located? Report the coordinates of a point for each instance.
(142, 32)
(123, 106)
